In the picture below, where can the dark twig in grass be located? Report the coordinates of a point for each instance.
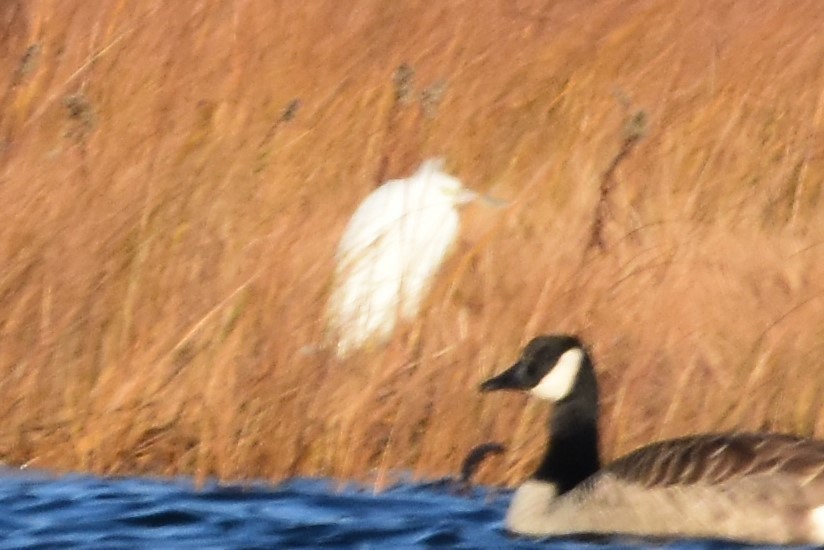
(474, 459)
(289, 112)
(633, 132)
(403, 82)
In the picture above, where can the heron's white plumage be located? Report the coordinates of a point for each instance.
(393, 245)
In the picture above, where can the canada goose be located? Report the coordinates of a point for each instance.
(750, 487)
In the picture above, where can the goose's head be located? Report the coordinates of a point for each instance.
(550, 367)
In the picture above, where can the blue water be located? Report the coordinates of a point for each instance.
(42, 511)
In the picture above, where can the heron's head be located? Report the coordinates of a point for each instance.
(448, 188)
(441, 186)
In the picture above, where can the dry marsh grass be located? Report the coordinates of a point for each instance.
(174, 177)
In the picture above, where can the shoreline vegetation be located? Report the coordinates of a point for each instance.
(175, 178)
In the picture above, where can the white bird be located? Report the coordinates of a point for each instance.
(390, 250)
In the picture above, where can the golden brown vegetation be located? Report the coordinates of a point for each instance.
(175, 176)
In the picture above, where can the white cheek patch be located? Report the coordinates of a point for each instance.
(559, 381)
(817, 524)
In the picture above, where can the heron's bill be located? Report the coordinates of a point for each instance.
(465, 196)
(494, 202)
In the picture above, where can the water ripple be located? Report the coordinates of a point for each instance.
(40, 511)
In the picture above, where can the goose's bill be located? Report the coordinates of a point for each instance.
(507, 380)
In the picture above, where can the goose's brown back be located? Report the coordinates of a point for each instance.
(717, 458)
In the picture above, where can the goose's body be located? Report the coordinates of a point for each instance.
(753, 487)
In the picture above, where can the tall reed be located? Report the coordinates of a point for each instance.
(175, 176)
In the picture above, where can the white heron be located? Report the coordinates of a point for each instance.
(391, 248)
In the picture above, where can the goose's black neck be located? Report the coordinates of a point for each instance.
(572, 453)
